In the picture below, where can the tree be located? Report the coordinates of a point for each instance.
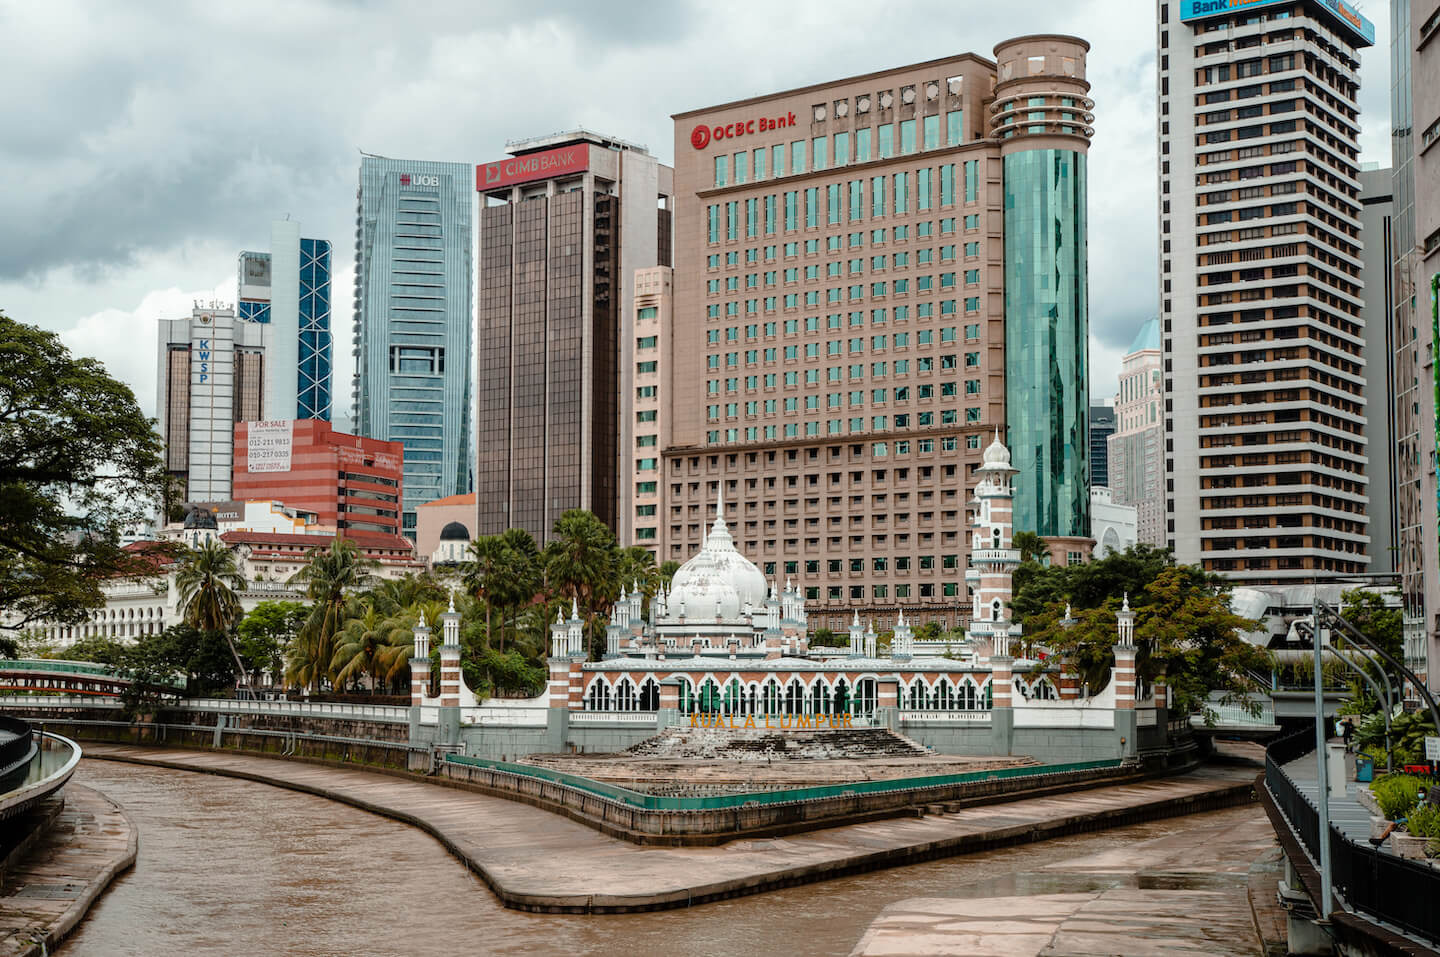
(668, 568)
(1086, 585)
(79, 463)
(208, 587)
(101, 649)
(1031, 546)
(484, 574)
(266, 632)
(526, 575)
(328, 576)
(370, 644)
(581, 558)
(1184, 631)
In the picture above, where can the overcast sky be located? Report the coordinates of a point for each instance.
(143, 145)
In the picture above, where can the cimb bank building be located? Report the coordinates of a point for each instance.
(873, 276)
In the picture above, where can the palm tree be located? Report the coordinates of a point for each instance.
(1031, 546)
(581, 560)
(371, 643)
(526, 574)
(580, 557)
(484, 574)
(207, 586)
(327, 577)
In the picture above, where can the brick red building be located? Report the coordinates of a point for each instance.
(351, 483)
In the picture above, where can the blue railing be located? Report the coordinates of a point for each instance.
(653, 802)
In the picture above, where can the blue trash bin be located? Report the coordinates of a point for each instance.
(1364, 768)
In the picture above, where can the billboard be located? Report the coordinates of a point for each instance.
(532, 167)
(269, 445)
(1361, 31)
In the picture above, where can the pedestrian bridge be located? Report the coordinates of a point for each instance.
(1238, 720)
(51, 676)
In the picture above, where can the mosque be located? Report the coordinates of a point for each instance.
(721, 640)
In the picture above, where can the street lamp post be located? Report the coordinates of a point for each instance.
(1322, 778)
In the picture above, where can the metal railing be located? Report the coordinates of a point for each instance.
(310, 709)
(1392, 889)
(15, 742)
(87, 668)
(726, 801)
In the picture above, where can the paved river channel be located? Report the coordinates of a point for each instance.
(229, 866)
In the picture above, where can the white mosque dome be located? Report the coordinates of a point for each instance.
(718, 581)
(996, 453)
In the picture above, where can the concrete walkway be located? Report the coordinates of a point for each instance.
(1347, 814)
(91, 842)
(1149, 899)
(535, 860)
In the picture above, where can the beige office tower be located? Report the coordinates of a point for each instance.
(1136, 462)
(848, 258)
(1260, 259)
(1415, 120)
(649, 390)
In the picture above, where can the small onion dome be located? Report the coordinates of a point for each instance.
(200, 518)
(454, 532)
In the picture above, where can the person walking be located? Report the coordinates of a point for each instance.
(1347, 733)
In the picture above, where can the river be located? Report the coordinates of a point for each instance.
(234, 867)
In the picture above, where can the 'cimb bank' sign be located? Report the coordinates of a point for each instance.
(532, 167)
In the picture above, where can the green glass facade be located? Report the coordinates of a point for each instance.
(1047, 392)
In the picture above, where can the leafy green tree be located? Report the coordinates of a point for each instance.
(1184, 630)
(1086, 585)
(1382, 624)
(79, 463)
(830, 639)
(266, 632)
(930, 631)
(328, 576)
(207, 587)
(101, 649)
(1031, 546)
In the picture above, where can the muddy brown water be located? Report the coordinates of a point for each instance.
(234, 867)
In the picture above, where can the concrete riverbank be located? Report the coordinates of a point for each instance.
(537, 861)
(45, 895)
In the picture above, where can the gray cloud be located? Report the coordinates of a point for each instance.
(145, 144)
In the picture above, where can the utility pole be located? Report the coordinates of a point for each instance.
(1322, 777)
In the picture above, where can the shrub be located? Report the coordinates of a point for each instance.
(1425, 821)
(1397, 794)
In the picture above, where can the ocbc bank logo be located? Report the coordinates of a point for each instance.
(700, 137)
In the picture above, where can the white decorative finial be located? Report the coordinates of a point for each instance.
(720, 503)
(1068, 616)
(574, 608)
(856, 621)
(1124, 607)
(452, 599)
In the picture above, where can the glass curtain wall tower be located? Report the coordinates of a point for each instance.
(289, 288)
(413, 316)
(1041, 116)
